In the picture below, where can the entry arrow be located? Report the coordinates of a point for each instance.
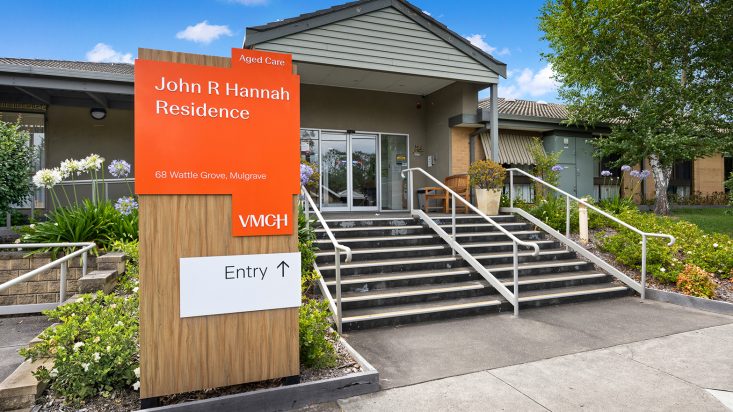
(283, 265)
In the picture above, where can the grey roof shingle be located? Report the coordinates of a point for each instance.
(517, 107)
(116, 68)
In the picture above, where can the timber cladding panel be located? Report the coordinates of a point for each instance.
(186, 354)
(707, 174)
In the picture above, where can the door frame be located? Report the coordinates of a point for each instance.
(378, 170)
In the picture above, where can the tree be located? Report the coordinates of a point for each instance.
(16, 164)
(657, 72)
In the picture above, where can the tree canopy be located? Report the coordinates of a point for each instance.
(658, 72)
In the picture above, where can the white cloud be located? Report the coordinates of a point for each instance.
(530, 84)
(478, 41)
(250, 2)
(104, 53)
(203, 32)
(504, 52)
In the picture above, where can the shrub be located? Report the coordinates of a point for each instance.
(316, 349)
(694, 281)
(94, 348)
(87, 222)
(551, 210)
(486, 174)
(16, 163)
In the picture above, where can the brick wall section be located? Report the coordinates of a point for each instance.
(460, 153)
(707, 174)
(44, 287)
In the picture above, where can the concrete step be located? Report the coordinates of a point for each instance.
(386, 220)
(412, 229)
(424, 239)
(440, 262)
(377, 316)
(527, 280)
(327, 256)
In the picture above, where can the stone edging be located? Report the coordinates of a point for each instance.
(708, 305)
(292, 396)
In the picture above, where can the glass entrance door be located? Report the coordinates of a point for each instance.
(348, 171)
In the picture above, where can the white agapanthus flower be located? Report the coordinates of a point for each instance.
(47, 178)
(93, 162)
(71, 166)
(78, 345)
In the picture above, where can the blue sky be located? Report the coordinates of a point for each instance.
(113, 30)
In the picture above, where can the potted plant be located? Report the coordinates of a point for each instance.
(488, 179)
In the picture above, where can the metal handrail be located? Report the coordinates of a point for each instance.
(469, 205)
(308, 204)
(63, 262)
(512, 297)
(568, 197)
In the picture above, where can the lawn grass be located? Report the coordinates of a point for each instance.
(709, 219)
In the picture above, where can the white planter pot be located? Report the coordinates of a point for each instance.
(488, 201)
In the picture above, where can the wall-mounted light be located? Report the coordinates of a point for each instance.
(98, 113)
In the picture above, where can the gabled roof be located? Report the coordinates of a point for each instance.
(115, 72)
(282, 28)
(528, 108)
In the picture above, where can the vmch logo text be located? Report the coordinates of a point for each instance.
(270, 220)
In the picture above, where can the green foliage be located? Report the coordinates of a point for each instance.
(129, 281)
(486, 174)
(316, 336)
(16, 164)
(713, 253)
(87, 222)
(543, 167)
(729, 186)
(657, 71)
(552, 211)
(694, 281)
(94, 348)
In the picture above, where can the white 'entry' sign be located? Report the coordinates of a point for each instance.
(214, 285)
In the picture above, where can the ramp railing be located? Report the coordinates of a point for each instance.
(639, 287)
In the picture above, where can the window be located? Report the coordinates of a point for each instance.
(680, 181)
(34, 124)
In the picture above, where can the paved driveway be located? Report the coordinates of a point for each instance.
(618, 354)
(15, 332)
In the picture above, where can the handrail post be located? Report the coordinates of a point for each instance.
(307, 206)
(338, 289)
(84, 264)
(409, 191)
(643, 266)
(62, 286)
(567, 216)
(453, 222)
(511, 188)
(515, 258)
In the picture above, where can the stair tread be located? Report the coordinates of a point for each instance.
(523, 279)
(425, 236)
(414, 226)
(444, 246)
(432, 259)
(380, 312)
(413, 290)
(393, 218)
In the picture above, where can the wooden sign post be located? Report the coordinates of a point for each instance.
(216, 152)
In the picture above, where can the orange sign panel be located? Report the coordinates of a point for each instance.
(212, 130)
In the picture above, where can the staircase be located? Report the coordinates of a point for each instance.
(402, 271)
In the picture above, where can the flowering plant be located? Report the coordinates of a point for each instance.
(309, 176)
(486, 174)
(94, 348)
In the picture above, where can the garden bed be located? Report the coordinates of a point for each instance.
(351, 376)
(724, 291)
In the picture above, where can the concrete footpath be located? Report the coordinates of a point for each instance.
(618, 354)
(15, 333)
